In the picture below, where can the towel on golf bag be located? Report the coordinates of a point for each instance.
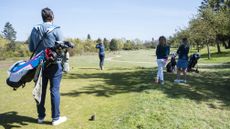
(37, 91)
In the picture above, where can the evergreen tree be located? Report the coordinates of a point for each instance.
(88, 37)
(9, 33)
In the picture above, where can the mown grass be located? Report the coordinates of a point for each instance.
(123, 96)
(216, 57)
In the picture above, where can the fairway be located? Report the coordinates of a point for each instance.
(123, 96)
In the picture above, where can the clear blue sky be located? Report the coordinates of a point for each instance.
(128, 19)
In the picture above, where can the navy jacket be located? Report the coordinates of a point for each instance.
(183, 52)
(101, 49)
(162, 52)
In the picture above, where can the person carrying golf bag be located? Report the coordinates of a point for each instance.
(51, 72)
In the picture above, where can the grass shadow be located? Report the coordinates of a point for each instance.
(13, 120)
(216, 54)
(218, 66)
(114, 83)
(204, 86)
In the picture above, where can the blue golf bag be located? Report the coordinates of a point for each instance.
(22, 72)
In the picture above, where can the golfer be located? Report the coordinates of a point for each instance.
(182, 63)
(53, 72)
(101, 53)
(162, 53)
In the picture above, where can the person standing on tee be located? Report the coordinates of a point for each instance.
(101, 53)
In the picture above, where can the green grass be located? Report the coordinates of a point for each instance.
(123, 96)
(223, 57)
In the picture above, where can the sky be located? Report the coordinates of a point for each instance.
(130, 19)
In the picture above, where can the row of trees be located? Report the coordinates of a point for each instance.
(11, 48)
(88, 45)
(211, 26)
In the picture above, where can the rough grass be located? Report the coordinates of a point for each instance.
(123, 96)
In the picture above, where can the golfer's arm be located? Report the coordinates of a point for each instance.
(31, 42)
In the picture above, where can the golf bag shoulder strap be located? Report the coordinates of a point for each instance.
(37, 28)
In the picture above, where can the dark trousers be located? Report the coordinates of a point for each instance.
(53, 73)
(101, 57)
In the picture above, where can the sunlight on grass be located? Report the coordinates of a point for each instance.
(123, 96)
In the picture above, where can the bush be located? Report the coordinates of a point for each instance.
(116, 45)
(82, 46)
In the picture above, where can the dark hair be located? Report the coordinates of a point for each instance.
(184, 39)
(162, 38)
(47, 14)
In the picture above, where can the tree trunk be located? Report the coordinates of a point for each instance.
(228, 44)
(225, 45)
(209, 54)
(218, 47)
(197, 47)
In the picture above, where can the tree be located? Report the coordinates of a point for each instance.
(115, 45)
(88, 37)
(216, 13)
(201, 31)
(106, 43)
(9, 33)
(211, 26)
(99, 40)
(128, 45)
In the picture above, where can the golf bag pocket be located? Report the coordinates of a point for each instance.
(19, 76)
(22, 72)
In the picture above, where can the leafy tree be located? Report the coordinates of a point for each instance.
(115, 45)
(106, 43)
(217, 15)
(128, 45)
(210, 27)
(99, 40)
(202, 32)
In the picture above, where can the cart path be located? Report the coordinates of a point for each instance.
(111, 59)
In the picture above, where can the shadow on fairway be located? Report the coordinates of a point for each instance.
(115, 82)
(216, 54)
(204, 86)
(11, 119)
(219, 66)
